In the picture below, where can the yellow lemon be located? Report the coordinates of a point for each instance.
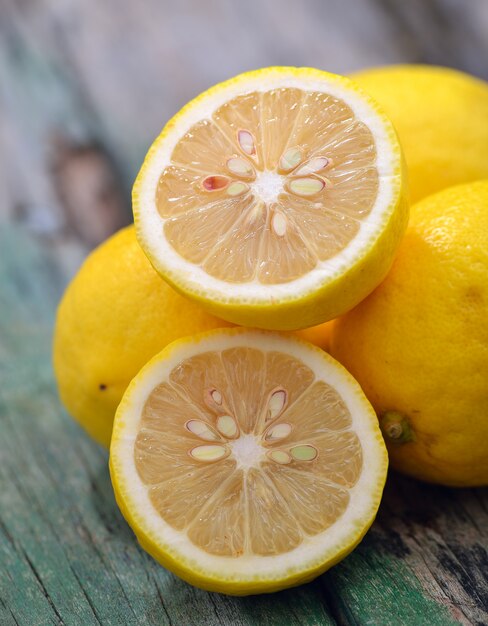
(441, 116)
(418, 344)
(115, 315)
(275, 199)
(318, 335)
(246, 461)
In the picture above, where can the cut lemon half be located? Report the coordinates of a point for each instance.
(276, 199)
(245, 461)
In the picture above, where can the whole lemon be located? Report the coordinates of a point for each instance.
(115, 315)
(441, 116)
(418, 345)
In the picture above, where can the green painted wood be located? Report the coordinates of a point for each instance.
(402, 599)
(68, 557)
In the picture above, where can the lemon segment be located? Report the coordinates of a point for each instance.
(276, 199)
(246, 462)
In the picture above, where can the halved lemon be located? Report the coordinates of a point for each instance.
(245, 461)
(276, 199)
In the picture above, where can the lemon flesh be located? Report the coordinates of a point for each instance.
(418, 344)
(246, 462)
(276, 198)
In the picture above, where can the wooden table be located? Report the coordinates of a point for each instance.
(84, 87)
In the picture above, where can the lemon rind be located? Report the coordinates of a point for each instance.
(225, 298)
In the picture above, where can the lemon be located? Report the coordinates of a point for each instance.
(246, 461)
(115, 315)
(418, 344)
(275, 199)
(318, 335)
(441, 116)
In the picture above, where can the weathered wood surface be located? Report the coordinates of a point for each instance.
(67, 555)
(84, 87)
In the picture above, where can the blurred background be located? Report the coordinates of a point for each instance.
(86, 85)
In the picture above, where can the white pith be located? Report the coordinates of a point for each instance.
(196, 280)
(364, 496)
(247, 451)
(268, 186)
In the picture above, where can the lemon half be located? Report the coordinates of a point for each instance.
(276, 199)
(246, 461)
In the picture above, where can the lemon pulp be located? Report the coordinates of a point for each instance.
(245, 462)
(269, 185)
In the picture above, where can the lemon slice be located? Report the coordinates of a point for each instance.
(246, 461)
(276, 198)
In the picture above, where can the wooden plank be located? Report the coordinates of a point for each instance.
(68, 556)
(425, 557)
(371, 572)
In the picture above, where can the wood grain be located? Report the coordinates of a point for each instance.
(68, 557)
